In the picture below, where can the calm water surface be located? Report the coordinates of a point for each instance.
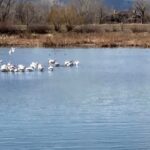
(102, 105)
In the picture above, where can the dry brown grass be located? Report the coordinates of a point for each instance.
(119, 35)
(112, 39)
(103, 28)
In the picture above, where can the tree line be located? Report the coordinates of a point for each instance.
(75, 12)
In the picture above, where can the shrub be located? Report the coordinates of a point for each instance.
(41, 29)
(11, 29)
(139, 29)
(88, 29)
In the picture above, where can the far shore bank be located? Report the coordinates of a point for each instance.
(89, 40)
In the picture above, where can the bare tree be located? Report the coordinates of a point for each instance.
(141, 7)
(83, 7)
(26, 12)
(20, 12)
(71, 17)
(56, 16)
(91, 10)
(101, 11)
(5, 9)
(29, 13)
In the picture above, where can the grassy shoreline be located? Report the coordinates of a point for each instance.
(126, 36)
(98, 41)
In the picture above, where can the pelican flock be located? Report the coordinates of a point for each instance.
(35, 66)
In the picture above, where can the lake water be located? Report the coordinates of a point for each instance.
(102, 105)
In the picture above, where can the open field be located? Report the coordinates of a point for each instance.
(114, 35)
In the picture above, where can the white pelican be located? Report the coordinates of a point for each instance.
(9, 64)
(40, 67)
(21, 68)
(29, 69)
(4, 68)
(68, 63)
(56, 64)
(11, 51)
(34, 65)
(51, 61)
(11, 70)
(10, 67)
(16, 70)
(50, 68)
(76, 63)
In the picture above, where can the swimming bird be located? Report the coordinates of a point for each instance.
(51, 61)
(68, 63)
(29, 69)
(4, 68)
(76, 63)
(16, 69)
(10, 67)
(34, 65)
(56, 64)
(21, 68)
(11, 51)
(40, 67)
(50, 68)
